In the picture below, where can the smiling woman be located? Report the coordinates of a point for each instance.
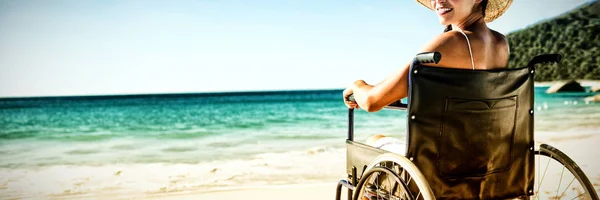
(144, 146)
(467, 42)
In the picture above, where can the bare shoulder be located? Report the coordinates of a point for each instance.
(445, 40)
(498, 35)
(453, 46)
(501, 49)
(500, 40)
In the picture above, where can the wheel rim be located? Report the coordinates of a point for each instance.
(558, 177)
(382, 183)
(402, 179)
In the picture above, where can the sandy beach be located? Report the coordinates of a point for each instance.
(148, 181)
(581, 148)
(291, 192)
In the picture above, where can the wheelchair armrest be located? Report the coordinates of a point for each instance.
(398, 105)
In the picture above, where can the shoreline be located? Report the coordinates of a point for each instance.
(582, 82)
(579, 147)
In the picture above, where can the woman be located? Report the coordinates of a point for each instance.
(466, 43)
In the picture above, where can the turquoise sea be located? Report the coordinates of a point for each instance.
(207, 141)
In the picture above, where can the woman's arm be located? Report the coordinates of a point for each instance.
(395, 87)
(374, 97)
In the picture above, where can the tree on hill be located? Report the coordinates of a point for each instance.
(575, 35)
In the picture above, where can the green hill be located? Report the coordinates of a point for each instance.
(575, 35)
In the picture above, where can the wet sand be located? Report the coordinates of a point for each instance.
(583, 149)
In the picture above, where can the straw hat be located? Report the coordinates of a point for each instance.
(494, 8)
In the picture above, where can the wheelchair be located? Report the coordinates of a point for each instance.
(470, 136)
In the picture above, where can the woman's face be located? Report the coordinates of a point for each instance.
(453, 11)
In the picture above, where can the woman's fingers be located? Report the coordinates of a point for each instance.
(350, 104)
(355, 106)
(347, 92)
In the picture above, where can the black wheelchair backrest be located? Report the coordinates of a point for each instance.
(471, 131)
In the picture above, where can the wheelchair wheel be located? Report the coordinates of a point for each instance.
(558, 177)
(392, 177)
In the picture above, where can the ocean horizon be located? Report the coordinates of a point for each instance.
(155, 143)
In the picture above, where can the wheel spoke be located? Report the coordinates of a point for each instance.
(563, 193)
(578, 195)
(400, 174)
(542, 180)
(537, 193)
(377, 188)
(390, 184)
(376, 183)
(560, 181)
(396, 186)
(403, 175)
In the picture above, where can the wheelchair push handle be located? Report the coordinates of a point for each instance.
(544, 58)
(351, 98)
(427, 57)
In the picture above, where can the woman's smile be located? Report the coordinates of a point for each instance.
(442, 11)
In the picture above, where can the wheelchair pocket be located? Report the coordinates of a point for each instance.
(476, 137)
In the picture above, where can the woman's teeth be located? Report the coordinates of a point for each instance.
(442, 11)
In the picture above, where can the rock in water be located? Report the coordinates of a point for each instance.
(595, 98)
(566, 86)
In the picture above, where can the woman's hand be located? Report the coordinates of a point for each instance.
(350, 104)
(350, 91)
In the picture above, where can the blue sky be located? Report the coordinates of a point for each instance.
(55, 48)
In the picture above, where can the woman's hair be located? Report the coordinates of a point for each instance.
(483, 7)
(448, 28)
